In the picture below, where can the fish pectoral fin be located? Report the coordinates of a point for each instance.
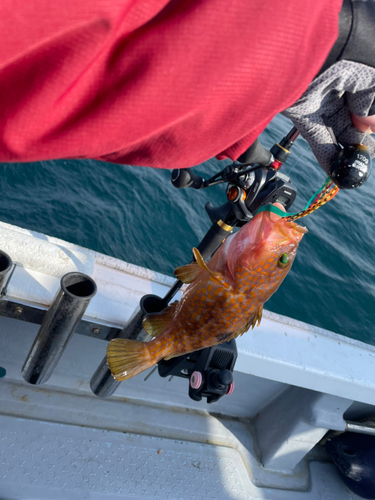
(155, 323)
(189, 273)
(214, 275)
(127, 358)
(253, 321)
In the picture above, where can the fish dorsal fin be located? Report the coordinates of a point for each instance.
(214, 275)
(155, 323)
(253, 321)
(188, 273)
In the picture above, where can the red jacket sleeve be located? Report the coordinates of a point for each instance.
(159, 83)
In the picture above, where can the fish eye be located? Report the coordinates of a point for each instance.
(283, 260)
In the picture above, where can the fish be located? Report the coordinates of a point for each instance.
(225, 296)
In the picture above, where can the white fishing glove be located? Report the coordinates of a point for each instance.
(344, 89)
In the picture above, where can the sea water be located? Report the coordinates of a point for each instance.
(135, 214)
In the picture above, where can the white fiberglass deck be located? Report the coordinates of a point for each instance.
(46, 461)
(60, 442)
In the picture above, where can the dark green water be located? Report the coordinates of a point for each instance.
(135, 214)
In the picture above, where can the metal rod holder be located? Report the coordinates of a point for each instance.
(102, 383)
(5, 268)
(67, 308)
(360, 428)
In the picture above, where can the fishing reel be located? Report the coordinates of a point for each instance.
(252, 181)
(210, 371)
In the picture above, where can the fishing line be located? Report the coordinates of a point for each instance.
(364, 135)
(300, 158)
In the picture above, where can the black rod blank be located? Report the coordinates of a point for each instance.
(67, 308)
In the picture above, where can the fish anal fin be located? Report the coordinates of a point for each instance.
(127, 358)
(187, 274)
(155, 323)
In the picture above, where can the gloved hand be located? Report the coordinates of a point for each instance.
(345, 89)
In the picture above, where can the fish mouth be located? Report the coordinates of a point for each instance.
(296, 227)
(290, 231)
(291, 224)
(284, 224)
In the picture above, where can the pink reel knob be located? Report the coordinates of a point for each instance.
(196, 380)
(230, 389)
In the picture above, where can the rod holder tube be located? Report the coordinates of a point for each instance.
(5, 268)
(67, 308)
(102, 383)
(360, 428)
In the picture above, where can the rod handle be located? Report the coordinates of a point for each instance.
(182, 178)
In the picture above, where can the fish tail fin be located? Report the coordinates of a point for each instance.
(127, 358)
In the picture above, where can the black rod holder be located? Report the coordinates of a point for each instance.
(102, 383)
(5, 267)
(67, 308)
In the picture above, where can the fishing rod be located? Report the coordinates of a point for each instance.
(252, 181)
(253, 184)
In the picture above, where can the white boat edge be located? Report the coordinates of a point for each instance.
(280, 349)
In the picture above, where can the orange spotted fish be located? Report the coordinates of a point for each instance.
(225, 297)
